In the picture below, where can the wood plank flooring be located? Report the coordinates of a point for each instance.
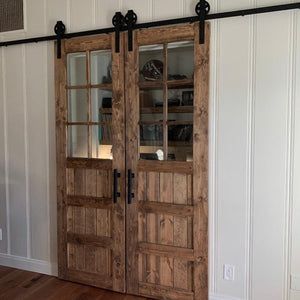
(23, 285)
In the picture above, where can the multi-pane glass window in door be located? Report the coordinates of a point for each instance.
(166, 94)
(89, 105)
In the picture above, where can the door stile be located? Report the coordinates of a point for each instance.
(200, 164)
(118, 128)
(61, 118)
(132, 130)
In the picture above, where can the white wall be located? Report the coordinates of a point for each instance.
(254, 141)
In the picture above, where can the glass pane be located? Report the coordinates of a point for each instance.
(180, 142)
(151, 142)
(151, 105)
(101, 141)
(77, 105)
(101, 65)
(180, 105)
(77, 141)
(180, 60)
(101, 105)
(77, 69)
(151, 62)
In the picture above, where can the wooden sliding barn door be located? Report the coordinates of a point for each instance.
(167, 161)
(91, 162)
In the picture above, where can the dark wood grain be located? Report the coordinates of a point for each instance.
(200, 148)
(61, 118)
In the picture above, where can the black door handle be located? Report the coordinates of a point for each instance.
(130, 195)
(116, 194)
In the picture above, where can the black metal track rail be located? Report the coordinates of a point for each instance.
(222, 15)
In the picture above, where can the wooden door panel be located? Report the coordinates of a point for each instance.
(91, 225)
(165, 218)
(167, 221)
(89, 234)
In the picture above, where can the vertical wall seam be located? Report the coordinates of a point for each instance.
(214, 154)
(291, 77)
(47, 139)
(183, 6)
(47, 149)
(7, 196)
(25, 15)
(250, 154)
(151, 9)
(69, 14)
(94, 13)
(26, 153)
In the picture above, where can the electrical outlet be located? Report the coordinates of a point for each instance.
(228, 272)
(295, 283)
(0, 234)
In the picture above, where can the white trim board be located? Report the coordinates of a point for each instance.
(28, 264)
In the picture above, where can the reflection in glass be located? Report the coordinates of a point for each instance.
(180, 60)
(77, 105)
(180, 105)
(101, 101)
(151, 105)
(151, 62)
(151, 141)
(77, 69)
(180, 142)
(101, 67)
(101, 142)
(77, 141)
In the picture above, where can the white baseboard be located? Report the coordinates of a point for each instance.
(221, 297)
(28, 264)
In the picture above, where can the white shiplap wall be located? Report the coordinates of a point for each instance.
(254, 141)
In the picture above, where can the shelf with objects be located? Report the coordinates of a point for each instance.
(166, 92)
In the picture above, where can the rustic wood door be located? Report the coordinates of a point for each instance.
(167, 76)
(91, 162)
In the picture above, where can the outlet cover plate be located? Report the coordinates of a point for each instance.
(295, 283)
(228, 272)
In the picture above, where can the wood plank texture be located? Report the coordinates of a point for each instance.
(166, 166)
(90, 43)
(165, 34)
(166, 251)
(132, 107)
(92, 240)
(200, 176)
(60, 107)
(118, 151)
(170, 209)
(89, 163)
(89, 202)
